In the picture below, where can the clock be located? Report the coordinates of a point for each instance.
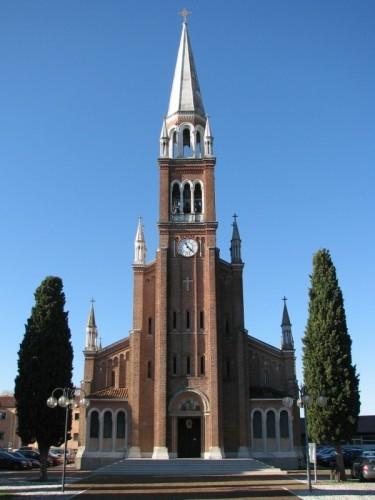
(187, 247)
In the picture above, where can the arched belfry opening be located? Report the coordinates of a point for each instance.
(186, 201)
(176, 198)
(198, 198)
(186, 196)
(198, 145)
(174, 144)
(186, 143)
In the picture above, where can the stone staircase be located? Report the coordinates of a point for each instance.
(188, 467)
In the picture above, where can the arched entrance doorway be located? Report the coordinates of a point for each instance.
(188, 412)
(189, 437)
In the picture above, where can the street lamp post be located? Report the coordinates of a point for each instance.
(66, 400)
(304, 401)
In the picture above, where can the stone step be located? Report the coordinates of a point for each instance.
(187, 467)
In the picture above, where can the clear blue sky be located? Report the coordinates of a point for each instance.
(289, 87)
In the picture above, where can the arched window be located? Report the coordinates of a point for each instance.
(202, 365)
(120, 425)
(174, 365)
(186, 144)
(149, 369)
(271, 427)
(198, 198)
(284, 424)
(107, 427)
(94, 424)
(174, 322)
(257, 425)
(187, 199)
(149, 326)
(187, 320)
(176, 200)
(113, 378)
(198, 145)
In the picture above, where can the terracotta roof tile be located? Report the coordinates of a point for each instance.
(110, 393)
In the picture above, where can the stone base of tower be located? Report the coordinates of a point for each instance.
(214, 453)
(160, 453)
(134, 452)
(91, 460)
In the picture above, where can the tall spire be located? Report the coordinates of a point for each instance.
(235, 246)
(140, 245)
(91, 343)
(185, 96)
(287, 342)
(186, 131)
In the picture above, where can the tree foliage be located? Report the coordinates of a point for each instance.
(327, 360)
(44, 363)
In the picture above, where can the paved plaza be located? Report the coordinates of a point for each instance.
(106, 483)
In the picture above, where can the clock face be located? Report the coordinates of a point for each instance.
(187, 247)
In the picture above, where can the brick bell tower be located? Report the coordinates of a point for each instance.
(188, 344)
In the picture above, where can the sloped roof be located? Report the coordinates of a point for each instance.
(110, 393)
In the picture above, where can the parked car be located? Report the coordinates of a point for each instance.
(33, 454)
(70, 457)
(8, 461)
(55, 458)
(350, 455)
(364, 469)
(19, 455)
(33, 461)
(326, 456)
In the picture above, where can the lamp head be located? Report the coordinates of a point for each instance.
(51, 402)
(63, 401)
(287, 402)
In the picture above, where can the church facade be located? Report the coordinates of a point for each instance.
(188, 381)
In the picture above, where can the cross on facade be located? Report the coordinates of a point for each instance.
(187, 282)
(185, 14)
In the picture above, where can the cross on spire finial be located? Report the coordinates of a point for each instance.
(284, 299)
(185, 14)
(92, 301)
(235, 217)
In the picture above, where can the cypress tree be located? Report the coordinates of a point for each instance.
(44, 362)
(327, 361)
